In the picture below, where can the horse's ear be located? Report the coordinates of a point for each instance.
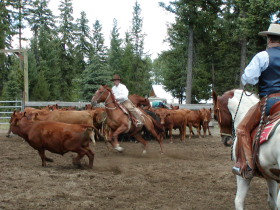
(215, 96)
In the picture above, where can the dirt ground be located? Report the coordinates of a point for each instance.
(192, 175)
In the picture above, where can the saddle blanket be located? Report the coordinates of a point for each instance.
(268, 131)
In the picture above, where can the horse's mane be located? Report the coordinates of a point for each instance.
(248, 100)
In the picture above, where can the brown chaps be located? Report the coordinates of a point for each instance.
(133, 110)
(244, 154)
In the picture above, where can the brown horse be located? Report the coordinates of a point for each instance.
(223, 116)
(119, 122)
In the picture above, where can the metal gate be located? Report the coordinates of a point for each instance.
(7, 108)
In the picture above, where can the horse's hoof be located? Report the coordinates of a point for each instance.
(8, 136)
(119, 149)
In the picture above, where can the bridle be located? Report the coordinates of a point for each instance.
(105, 102)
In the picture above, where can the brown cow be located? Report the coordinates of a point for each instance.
(206, 117)
(56, 137)
(194, 118)
(172, 119)
(71, 117)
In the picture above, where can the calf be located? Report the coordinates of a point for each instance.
(172, 119)
(194, 119)
(206, 117)
(56, 137)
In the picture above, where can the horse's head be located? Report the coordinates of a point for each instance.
(223, 116)
(101, 95)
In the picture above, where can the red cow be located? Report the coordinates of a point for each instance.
(56, 137)
(71, 117)
(194, 118)
(172, 119)
(206, 117)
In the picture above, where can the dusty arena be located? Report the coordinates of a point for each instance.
(192, 175)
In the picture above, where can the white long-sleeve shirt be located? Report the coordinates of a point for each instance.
(120, 92)
(252, 72)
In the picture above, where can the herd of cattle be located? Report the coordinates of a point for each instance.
(63, 130)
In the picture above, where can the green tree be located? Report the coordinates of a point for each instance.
(13, 86)
(138, 71)
(97, 73)
(115, 53)
(6, 35)
(65, 52)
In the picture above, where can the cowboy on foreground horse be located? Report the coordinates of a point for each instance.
(120, 122)
(263, 69)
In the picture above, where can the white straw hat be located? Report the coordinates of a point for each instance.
(274, 29)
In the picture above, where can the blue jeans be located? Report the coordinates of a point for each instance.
(269, 103)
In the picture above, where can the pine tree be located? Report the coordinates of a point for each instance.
(138, 78)
(6, 34)
(13, 87)
(97, 73)
(115, 53)
(66, 56)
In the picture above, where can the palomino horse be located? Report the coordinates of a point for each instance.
(226, 110)
(119, 122)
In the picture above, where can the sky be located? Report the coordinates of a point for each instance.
(155, 19)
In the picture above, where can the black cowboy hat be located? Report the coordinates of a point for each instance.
(116, 77)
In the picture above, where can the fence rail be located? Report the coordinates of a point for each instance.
(7, 108)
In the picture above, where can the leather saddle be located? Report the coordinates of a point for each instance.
(272, 119)
(130, 116)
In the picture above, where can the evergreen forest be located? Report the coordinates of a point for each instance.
(211, 42)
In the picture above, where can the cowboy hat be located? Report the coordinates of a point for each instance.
(274, 29)
(116, 77)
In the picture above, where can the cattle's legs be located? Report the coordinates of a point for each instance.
(82, 151)
(191, 131)
(170, 133)
(198, 131)
(90, 155)
(9, 132)
(48, 159)
(43, 157)
(209, 130)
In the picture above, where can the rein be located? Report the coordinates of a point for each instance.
(105, 102)
(233, 121)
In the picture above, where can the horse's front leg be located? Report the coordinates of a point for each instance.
(242, 189)
(115, 136)
(272, 199)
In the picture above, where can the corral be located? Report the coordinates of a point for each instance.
(192, 175)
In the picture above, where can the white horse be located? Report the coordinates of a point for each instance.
(269, 152)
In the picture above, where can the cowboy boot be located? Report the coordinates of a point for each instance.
(244, 166)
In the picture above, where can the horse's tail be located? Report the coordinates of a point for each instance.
(155, 119)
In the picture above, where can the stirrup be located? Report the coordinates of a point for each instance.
(247, 174)
(139, 124)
